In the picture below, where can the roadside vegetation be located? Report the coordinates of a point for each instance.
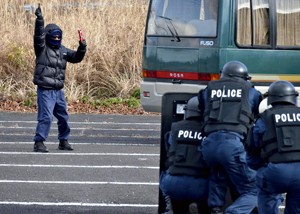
(108, 77)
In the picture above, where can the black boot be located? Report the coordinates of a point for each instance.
(64, 145)
(193, 208)
(39, 146)
(168, 209)
(216, 210)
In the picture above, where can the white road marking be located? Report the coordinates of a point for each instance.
(95, 135)
(79, 166)
(83, 123)
(86, 128)
(80, 182)
(75, 143)
(78, 154)
(76, 204)
(81, 204)
(31, 126)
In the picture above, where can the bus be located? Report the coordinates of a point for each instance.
(187, 42)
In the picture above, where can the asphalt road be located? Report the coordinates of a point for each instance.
(113, 168)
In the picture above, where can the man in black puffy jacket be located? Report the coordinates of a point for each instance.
(49, 76)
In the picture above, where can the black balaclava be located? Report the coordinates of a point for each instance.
(53, 31)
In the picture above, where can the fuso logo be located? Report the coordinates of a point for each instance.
(207, 43)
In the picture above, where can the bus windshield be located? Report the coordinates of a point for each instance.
(177, 18)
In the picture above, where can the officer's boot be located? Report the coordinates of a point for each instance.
(193, 208)
(64, 145)
(39, 146)
(169, 209)
(216, 210)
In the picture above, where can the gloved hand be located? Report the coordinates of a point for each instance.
(82, 41)
(38, 12)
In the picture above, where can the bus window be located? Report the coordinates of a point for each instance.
(288, 25)
(183, 18)
(244, 23)
(253, 27)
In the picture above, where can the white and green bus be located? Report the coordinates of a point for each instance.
(188, 41)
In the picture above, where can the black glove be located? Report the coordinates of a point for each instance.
(38, 12)
(82, 43)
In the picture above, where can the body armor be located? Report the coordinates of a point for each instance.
(281, 140)
(227, 106)
(184, 155)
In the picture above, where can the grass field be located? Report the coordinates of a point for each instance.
(114, 33)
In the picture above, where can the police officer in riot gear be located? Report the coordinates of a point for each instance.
(235, 69)
(186, 177)
(229, 107)
(275, 148)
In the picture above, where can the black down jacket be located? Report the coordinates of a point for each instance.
(51, 62)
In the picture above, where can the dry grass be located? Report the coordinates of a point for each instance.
(114, 32)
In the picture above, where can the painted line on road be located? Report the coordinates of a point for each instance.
(75, 204)
(91, 135)
(79, 166)
(93, 143)
(82, 123)
(78, 154)
(86, 128)
(80, 182)
(81, 204)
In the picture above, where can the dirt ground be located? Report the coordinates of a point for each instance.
(7, 105)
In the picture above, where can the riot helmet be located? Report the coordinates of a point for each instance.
(282, 92)
(235, 69)
(192, 108)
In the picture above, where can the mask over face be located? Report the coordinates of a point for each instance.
(53, 36)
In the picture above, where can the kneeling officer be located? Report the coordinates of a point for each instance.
(275, 150)
(186, 178)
